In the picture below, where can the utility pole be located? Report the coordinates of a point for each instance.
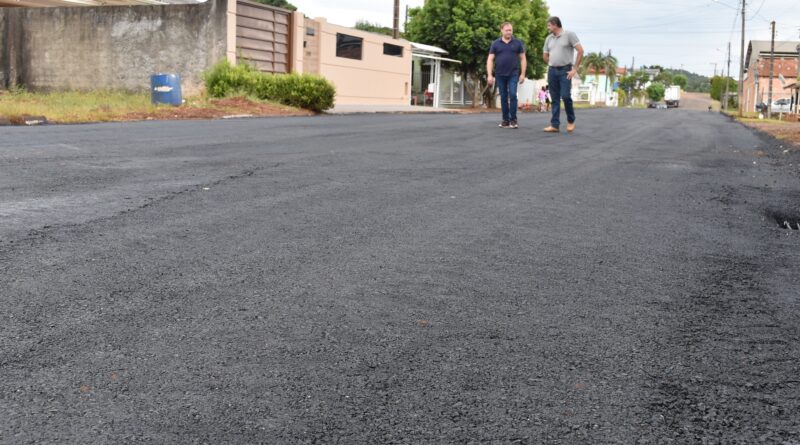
(727, 79)
(771, 71)
(396, 28)
(741, 63)
(715, 67)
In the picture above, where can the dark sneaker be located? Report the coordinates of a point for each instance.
(504, 124)
(513, 124)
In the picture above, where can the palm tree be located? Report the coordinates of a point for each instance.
(610, 66)
(597, 63)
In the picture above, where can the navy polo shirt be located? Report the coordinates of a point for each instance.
(506, 56)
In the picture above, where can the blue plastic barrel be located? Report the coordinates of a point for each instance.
(166, 89)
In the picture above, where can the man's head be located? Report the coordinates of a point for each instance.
(507, 29)
(554, 24)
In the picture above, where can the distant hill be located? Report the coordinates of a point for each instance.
(697, 83)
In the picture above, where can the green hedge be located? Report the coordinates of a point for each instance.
(297, 90)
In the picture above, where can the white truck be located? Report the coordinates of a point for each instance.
(673, 96)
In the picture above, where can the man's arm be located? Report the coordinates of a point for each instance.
(578, 61)
(523, 66)
(546, 57)
(490, 69)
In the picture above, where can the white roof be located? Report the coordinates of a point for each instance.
(427, 48)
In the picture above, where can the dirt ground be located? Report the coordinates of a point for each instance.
(788, 131)
(218, 108)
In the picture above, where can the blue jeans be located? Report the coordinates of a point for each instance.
(508, 96)
(560, 88)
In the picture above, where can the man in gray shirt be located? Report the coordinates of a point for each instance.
(559, 54)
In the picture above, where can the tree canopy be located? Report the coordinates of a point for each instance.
(656, 91)
(467, 28)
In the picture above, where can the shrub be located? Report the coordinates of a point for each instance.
(297, 90)
(656, 91)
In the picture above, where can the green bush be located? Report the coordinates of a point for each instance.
(656, 91)
(297, 90)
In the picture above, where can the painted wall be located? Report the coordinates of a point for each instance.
(113, 47)
(375, 79)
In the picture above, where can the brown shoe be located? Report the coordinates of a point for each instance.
(551, 129)
(570, 127)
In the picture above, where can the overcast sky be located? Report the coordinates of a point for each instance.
(692, 34)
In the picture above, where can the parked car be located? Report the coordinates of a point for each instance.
(781, 106)
(778, 106)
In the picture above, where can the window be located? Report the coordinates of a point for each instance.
(311, 31)
(348, 46)
(392, 50)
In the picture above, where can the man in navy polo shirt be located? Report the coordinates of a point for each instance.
(507, 62)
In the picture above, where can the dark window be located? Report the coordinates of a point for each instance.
(348, 46)
(311, 32)
(392, 50)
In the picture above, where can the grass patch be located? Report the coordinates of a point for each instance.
(73, 106)
(69, 107)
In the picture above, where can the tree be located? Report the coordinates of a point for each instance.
(634, 83)
(279, 3)
(680, 80)
(599, 63)
(664, 77)
(718, 87)
(656, 91)
(467, 28)
(364, 25)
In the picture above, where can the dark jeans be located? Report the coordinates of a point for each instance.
(508, 96)
(560, 88)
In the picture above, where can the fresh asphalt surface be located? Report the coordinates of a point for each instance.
(417, 279)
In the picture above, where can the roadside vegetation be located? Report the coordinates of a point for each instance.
(70, 107)
(230, 90)
(297, 90)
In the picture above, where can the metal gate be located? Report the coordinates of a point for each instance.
(263, 36)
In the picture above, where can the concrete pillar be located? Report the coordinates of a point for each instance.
(298, 35)
(230, 50)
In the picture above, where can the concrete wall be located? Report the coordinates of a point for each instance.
(117, 47)
(375, 79)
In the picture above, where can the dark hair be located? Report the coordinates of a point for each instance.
(555, 21)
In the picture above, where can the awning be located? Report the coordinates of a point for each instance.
(430, 52)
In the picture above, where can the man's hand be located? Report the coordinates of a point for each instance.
(572, 73)
(490, 79)
(521, 80)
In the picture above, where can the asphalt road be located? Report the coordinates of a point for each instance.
(400, 279)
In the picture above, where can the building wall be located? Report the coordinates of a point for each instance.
(787, 66)
(113, 47)
(375, 79)
(311, 50)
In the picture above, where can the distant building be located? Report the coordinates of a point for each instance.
(756, 79)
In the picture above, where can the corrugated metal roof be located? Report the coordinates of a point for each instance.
(764, 46)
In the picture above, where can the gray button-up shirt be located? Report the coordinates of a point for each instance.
(561, 48)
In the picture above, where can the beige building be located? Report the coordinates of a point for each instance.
(366, 68)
